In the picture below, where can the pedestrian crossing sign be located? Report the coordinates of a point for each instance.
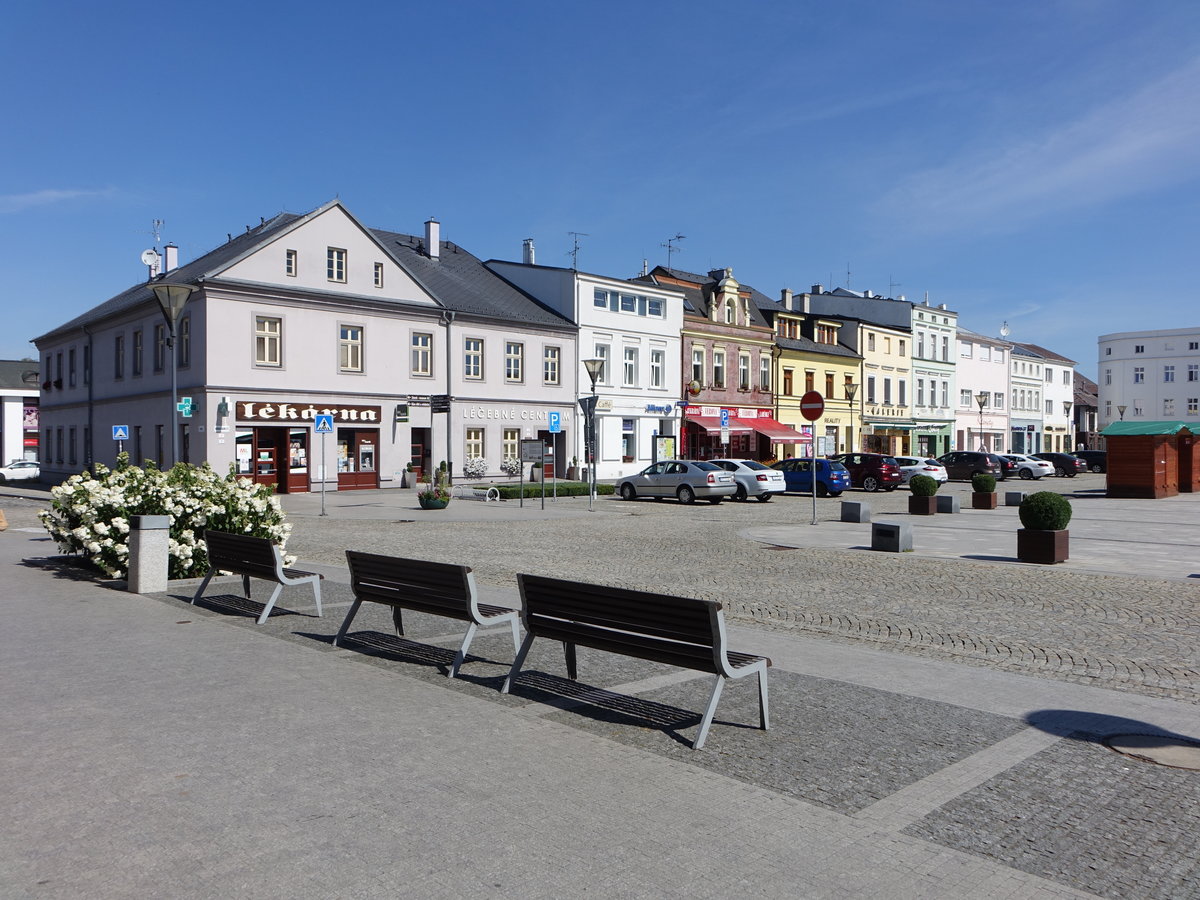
(323, 424)
(120, 432)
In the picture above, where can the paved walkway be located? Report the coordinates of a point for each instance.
(156, 748)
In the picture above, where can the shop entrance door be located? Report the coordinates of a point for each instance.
(419, 454)
(357, 459)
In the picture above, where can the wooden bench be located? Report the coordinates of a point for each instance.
(253, 557)
(678, 631)
(440, 589)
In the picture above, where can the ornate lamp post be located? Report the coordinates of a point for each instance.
(595, 367)
(171, 300)
(982, 398)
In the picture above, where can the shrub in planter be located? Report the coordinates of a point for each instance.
(923, 500)
(1045, 538)
(984, 491)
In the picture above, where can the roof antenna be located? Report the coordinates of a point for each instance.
(892, 285)
(574, 253)
(847, 275)
(671, 248)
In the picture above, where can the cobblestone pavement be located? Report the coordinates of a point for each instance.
(1124, 632)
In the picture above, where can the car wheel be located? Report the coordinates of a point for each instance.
(628, 492)
(822, 491)
(763, 498)
(2, 479)
(1026, 474)
(686, 495)
(1070, 474)
(715, 501)
(890, 488)
(871, 483)
(1060, 471)
(835, 493)
(739, 494)
(1096, 467)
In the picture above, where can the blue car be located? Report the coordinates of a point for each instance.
(832, 477)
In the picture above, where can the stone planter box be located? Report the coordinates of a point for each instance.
(983, 501)
(922, 506)
(1044, 547)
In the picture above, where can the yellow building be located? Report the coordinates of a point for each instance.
(886, 397)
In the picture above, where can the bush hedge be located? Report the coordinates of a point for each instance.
(565, 489)
(983, 484)
(1045, 511)
(923, 486)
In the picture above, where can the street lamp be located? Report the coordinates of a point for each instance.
(171, 299)
(595, 367)
(982, 398)
(1121, 409)
(851, 389)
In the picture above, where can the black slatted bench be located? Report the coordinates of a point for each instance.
(253, 557)
(440, 589)
(678, 631)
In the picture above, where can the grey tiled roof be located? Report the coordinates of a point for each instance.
(13, 372)
(460, 281)
(1043, 352)
(808, 346)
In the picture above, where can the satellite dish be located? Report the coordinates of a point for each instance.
(149, 258)
(1004, 330)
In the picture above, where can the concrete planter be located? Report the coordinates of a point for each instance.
(983, 501)
(922, 506)
(1043, 547)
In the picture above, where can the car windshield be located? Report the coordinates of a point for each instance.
(889, 461)
(753, 464)
(707, 467)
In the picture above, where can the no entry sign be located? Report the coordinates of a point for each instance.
(812, 405)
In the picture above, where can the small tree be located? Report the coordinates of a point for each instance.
(983, 484)
(1045, 511)
(923, 486)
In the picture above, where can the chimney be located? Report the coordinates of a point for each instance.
(785, 298)
(817, 289)
(433, 237)
(171, 262)
(868, 293)
(527, 256)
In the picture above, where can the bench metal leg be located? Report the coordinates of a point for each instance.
(516, 634)
(203, 586)
(462, 651)
(246, 586)
(708, 713)
(317, 594)
(764, 709)
(569, 652)
(270, 603)
(518, 662)
(398, 620)
(346, 622)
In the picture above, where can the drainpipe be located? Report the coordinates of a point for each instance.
(448, 320)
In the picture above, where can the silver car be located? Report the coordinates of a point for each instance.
(20, 470)
(753, 479)
(1029, 466)
(916, 465)
(682, 478)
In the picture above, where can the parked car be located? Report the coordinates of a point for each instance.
(1065, 465)
(1097, 460)
(871, 471)
(1007, 466)
(682, 478)
(20, 470)
(963, 465)
(832, 476)
(915, 465)
(753, 479)
(1029, 466)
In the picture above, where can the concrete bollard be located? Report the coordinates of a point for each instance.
(1013, 498)
(149, 543)
(947, 503)
(891, 537)
(856, 511)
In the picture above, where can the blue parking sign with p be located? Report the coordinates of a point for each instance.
(555, 419)
(724, 418)
(323, 424)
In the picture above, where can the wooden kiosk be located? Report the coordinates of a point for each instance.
(1150, 460)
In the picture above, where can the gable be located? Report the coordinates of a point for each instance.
(311, 241)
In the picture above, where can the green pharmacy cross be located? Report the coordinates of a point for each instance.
(184, 406)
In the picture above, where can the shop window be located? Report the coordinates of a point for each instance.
(628, 440)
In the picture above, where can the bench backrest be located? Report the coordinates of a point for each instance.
(243, 554)
(680, 631)
(442, 589)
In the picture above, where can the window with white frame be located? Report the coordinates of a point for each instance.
(629, 369)
(719, 368)
(183, 338)
(920, 392)
(551, 365)
(870, 340)
(1139, 374)
(602, 354)
(422, 350)
(350, 348)
(1168, 406)
(966, 349)
(291, 263)
(658, 362)
(1049, 407)
(378, 274)
(870, 388)
(945, 393)
(998, 400)
(473, 442)
(268, 341)
(1139, 348)
(764, 372)
(1137, 407)
(1066, 376)
(901, 391)
(511, 447)
(335, 264)
(920, 345)
(964, 397)
(698, 364)
(887, 390)
(514, 361)
(473, 359)
(946, 348)
(1049, 375)
(903, 345)
(729, 312)
(1168, 373)
(629, 439)
(1194, 345)
(744, 371)
(1193, 372)
(1108, 376)
(1108, 409)
(1193, 405)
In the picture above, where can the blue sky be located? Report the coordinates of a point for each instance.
(1034, 162)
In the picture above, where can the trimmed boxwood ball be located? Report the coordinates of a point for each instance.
(983, 484)
(1045, 511)
(923, 486)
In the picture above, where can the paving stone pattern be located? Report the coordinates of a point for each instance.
(1128, 633)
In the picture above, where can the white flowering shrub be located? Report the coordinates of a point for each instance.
(475, 467)
(90, 515)
(511, 466)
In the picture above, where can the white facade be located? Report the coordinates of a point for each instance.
(982, 369)
(635, 327)
(1154, 375)
(19, 410)
(935, 382)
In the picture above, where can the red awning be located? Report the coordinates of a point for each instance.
(712, 424)
(776, 431)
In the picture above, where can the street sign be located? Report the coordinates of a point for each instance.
(439, 403)
(724, 418)
(531, 451)
(120, 432)
(555, 419)
(323, 424)
(812, 406)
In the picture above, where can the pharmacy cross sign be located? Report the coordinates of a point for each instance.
(184, 406)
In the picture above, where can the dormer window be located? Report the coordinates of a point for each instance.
(729, 312)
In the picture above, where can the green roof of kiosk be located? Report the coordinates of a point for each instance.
(1126, 429)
